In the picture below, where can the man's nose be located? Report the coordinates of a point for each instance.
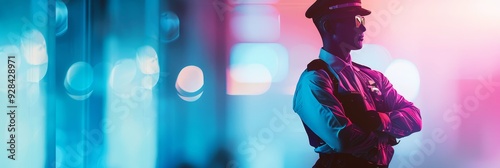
(362, 28)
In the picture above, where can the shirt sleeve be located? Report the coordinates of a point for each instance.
(316, 105)
(402, 118)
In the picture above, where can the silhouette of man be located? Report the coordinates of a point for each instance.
(351, 113)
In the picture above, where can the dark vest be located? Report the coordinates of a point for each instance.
(351, 101)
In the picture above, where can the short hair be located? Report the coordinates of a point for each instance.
(320, 21)
(329, 19)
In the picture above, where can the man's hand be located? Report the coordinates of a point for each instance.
(368, 120)
(355, 109)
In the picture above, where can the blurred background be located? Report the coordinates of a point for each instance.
(209, 83)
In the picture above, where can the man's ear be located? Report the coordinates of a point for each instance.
(328, 26)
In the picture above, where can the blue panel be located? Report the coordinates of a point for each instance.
(272, 56)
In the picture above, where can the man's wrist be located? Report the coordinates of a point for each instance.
(385, 122)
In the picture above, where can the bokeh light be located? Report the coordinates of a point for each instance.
(79, 81)
(405, 78)
(375, 56)
(273, 56)
(149, 81)
(169, 27)
(250, 73)
(147, 60)
(61, 18)
(34, 50)
(246, 18)
(122, 77)
(36, 73)
(251, 79)
(254, 66)
(190, 83)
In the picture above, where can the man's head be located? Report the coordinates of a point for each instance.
(339, 22)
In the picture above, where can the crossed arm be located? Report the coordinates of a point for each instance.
(317, 106)
(402, 117)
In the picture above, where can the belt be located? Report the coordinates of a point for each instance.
(343, 160)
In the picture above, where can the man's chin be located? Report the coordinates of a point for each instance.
(358, 46)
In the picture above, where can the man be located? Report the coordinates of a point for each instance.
(351, 113)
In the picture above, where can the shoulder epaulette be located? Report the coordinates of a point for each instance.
(317, 64)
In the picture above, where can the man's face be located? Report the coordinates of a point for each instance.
(349, 31)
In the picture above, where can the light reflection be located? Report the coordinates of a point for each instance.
(122, 78)
(79, 81)
(170, 27)
(61, 18)
(405, 77)
(253, 79)
(190, 83)
(246, 18)
(273, 56)
(147, 60)
(34, 50)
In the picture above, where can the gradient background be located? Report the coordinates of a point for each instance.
(209, 83)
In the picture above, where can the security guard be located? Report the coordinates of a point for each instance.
(351, 113)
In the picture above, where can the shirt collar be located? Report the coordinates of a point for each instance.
(335, 62)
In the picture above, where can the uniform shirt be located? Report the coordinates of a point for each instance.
(318, 108)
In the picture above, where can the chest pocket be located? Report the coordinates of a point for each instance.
(373, 89)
